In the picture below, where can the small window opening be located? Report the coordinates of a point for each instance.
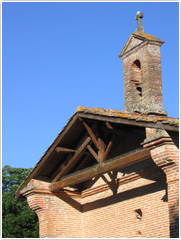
(137, 63)
(136, 76)
(138, 214)
(139, 89)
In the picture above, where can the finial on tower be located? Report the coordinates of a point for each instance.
(139, 17)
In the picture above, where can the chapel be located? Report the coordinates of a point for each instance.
(110, 173)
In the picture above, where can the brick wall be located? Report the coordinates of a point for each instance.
(112, 213)
(150, 77)
(59, 215)
(165, 154)
(108, 208)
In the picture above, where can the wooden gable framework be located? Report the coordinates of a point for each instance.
(95, 142)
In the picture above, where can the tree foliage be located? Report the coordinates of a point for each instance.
(18, 220)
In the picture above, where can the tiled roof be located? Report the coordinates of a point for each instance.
(141, 36)
(146, 36)
(133, 116)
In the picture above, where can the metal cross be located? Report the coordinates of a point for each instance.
(139, 17)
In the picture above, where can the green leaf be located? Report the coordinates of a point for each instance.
(18, 220)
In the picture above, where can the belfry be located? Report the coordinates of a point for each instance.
(142, 72)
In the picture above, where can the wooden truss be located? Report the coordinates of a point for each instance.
(85, 149)
(99, 151)
(98, 170)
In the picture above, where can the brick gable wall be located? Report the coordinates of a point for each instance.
(108, 208)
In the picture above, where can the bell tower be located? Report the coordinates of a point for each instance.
(142, 72)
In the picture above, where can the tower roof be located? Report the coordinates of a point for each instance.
(140, 37)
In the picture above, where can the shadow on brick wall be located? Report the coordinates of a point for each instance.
(126, 195)
(151, 172)
(174, 220)
(116, 197)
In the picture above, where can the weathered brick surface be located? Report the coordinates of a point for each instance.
(107, 208)
(166, 155)
(150, 79)
(133, 43)
(112, 213)
(58, 216)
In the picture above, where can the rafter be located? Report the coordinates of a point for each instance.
(101, 152)
(109, 125)
(74, 158)
(48, 154)
(98, 170)
(94, 154)
(64, 150)
(109, 147)
(99, 143)
(91, 134)
(57, 172)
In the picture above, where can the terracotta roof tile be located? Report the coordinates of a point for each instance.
(133, 116)
(146, 36)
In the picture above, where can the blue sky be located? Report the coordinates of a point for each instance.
(58, 56)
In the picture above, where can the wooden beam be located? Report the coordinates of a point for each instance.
(70, 125)
(92, 135)
(74, 158)
(109, 125)
(56, 175)
(64, 150)
(157, 125)
(102, 145)
(109, 147)
(94, 154)
(67, 159)
(98, 170)
(101, 152)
